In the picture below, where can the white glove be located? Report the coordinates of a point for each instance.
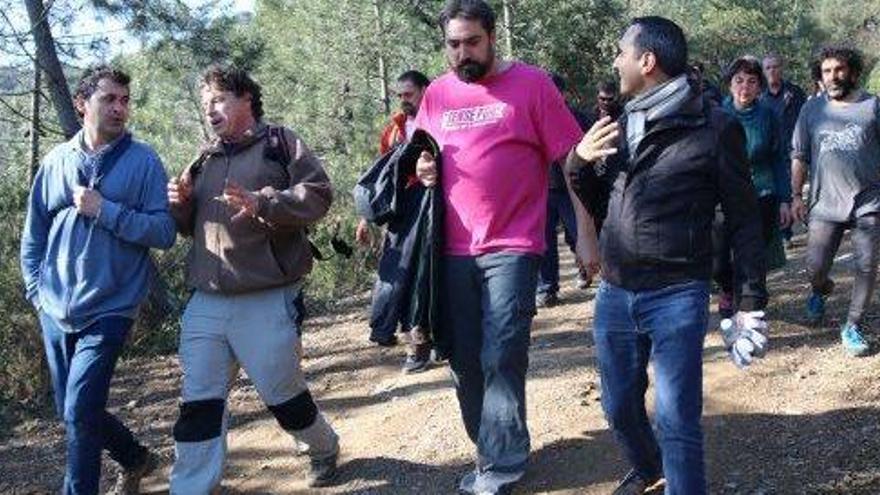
(743, 336)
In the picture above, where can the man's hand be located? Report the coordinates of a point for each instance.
(246, 202)
(426, 169)
(744, 336)
(87, 201)
(596, 143)
(785, 216)
(798, 209)
(362, 233)
(179, 191)
(587, 251)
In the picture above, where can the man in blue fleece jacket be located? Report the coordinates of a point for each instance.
(97, 206)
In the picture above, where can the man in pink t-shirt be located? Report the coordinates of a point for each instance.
(499, 124)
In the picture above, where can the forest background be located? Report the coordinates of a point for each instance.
(327, 68)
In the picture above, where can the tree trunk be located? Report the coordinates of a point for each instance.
(383, 68)
(47, 60)
(35, 126)
(508, 28)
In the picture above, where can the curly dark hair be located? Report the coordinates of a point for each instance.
(236, 80)
(747, 64)
(850, 56)
(88, 83)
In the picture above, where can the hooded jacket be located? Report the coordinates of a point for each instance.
(78, 269)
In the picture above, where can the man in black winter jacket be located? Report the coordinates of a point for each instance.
(677, 157)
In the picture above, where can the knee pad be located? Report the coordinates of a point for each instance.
(199, 420)
(297, 413)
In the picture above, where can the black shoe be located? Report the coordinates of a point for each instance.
(438, 356)
(546, 299)
(386, 342)
(322, 472)
(634, 484)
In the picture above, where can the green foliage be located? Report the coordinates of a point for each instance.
(577, 40)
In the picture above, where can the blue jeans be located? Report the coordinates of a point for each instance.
(559, 208)
(488, 305)
(81, 365)
(667, 325)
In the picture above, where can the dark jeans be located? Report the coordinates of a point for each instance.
(488, 305)
(822, 244)
(667, 326)
(559, 208)
(722, 261)
(81, 365)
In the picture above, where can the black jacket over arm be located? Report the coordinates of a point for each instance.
(658, 229)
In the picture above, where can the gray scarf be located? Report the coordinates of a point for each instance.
(658, 102)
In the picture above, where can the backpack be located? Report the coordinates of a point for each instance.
(278, 150)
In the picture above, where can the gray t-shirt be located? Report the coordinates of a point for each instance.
(841, 144)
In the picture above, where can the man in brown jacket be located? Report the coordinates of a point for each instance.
(246, 202)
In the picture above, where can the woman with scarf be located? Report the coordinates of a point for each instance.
(771, 175)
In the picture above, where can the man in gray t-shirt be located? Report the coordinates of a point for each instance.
(837, 141)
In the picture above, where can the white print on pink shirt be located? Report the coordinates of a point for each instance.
(469, 118)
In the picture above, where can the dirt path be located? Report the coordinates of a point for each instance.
(804, 420)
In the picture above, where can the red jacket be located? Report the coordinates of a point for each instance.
(394, 133)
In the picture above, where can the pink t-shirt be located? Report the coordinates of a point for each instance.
(498, 138)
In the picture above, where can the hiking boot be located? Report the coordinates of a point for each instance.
(725, 305)
(546, 300)
(853, 341)
(815, 308)
(129, 480)
(634, 484)
(322, 472)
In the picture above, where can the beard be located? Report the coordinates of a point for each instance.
(471, 71)
(839, 90)
(408, 109)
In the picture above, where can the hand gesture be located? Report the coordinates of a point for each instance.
(596, 143)
(246, 202)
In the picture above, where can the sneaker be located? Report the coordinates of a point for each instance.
(546, 300)
(634, 484)
(725, 305)
(815, 308)
(129, 480)
(853, 341)
(415, 363)
(322, 472)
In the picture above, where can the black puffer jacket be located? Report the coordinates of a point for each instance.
(658, 229)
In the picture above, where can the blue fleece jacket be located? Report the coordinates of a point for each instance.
(77, 269)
